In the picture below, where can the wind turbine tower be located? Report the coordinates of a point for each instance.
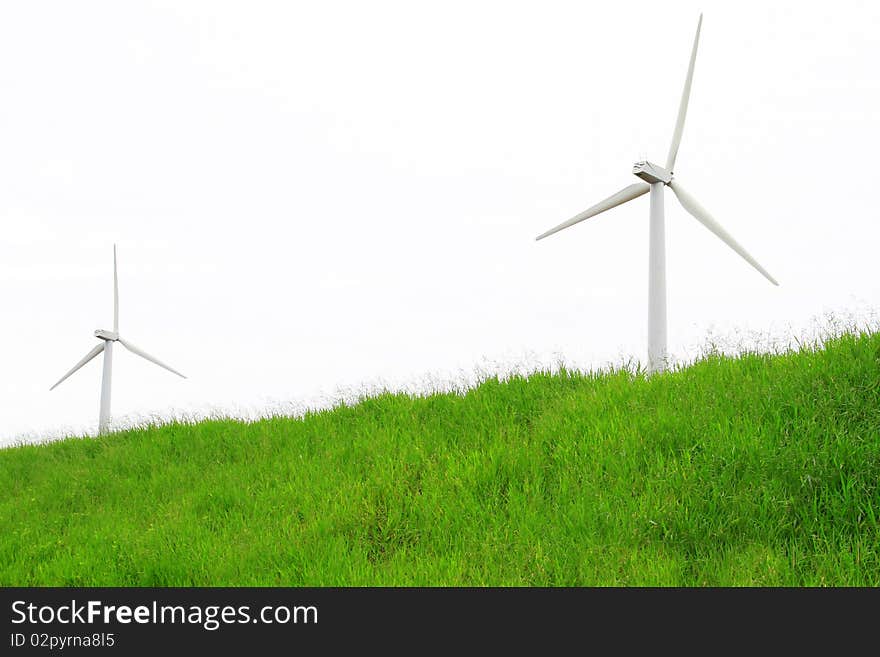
(655, 179)
(108, 338)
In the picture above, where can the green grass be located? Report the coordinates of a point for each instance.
(755, 470)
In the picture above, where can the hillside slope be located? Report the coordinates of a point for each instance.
(758, 470)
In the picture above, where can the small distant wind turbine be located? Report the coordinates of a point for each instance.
(107, 339)
(656, 178)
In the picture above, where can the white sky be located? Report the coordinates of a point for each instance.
(311, 197)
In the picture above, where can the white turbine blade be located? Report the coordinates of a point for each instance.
(115, 294)
(152, 359)
(94, 352)
(624, 195)
(683, 107)
(702, 215)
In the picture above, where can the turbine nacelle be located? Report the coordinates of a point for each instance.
(110, 336)
(652, 173)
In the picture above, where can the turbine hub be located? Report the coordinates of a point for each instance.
(652, 173)
(108, 336)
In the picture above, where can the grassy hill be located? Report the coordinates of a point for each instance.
(757, 470)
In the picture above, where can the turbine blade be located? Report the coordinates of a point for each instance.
(683, 106)
(144, 354)
(94, 352)
(702, 215)
(115, 294)
(624, 195)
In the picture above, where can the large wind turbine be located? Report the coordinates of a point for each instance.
(106, 345)
(656, 178)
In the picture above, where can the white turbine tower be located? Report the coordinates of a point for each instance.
(106, 345)
(656, 178)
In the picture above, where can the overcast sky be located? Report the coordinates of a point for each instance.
(316, 197)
